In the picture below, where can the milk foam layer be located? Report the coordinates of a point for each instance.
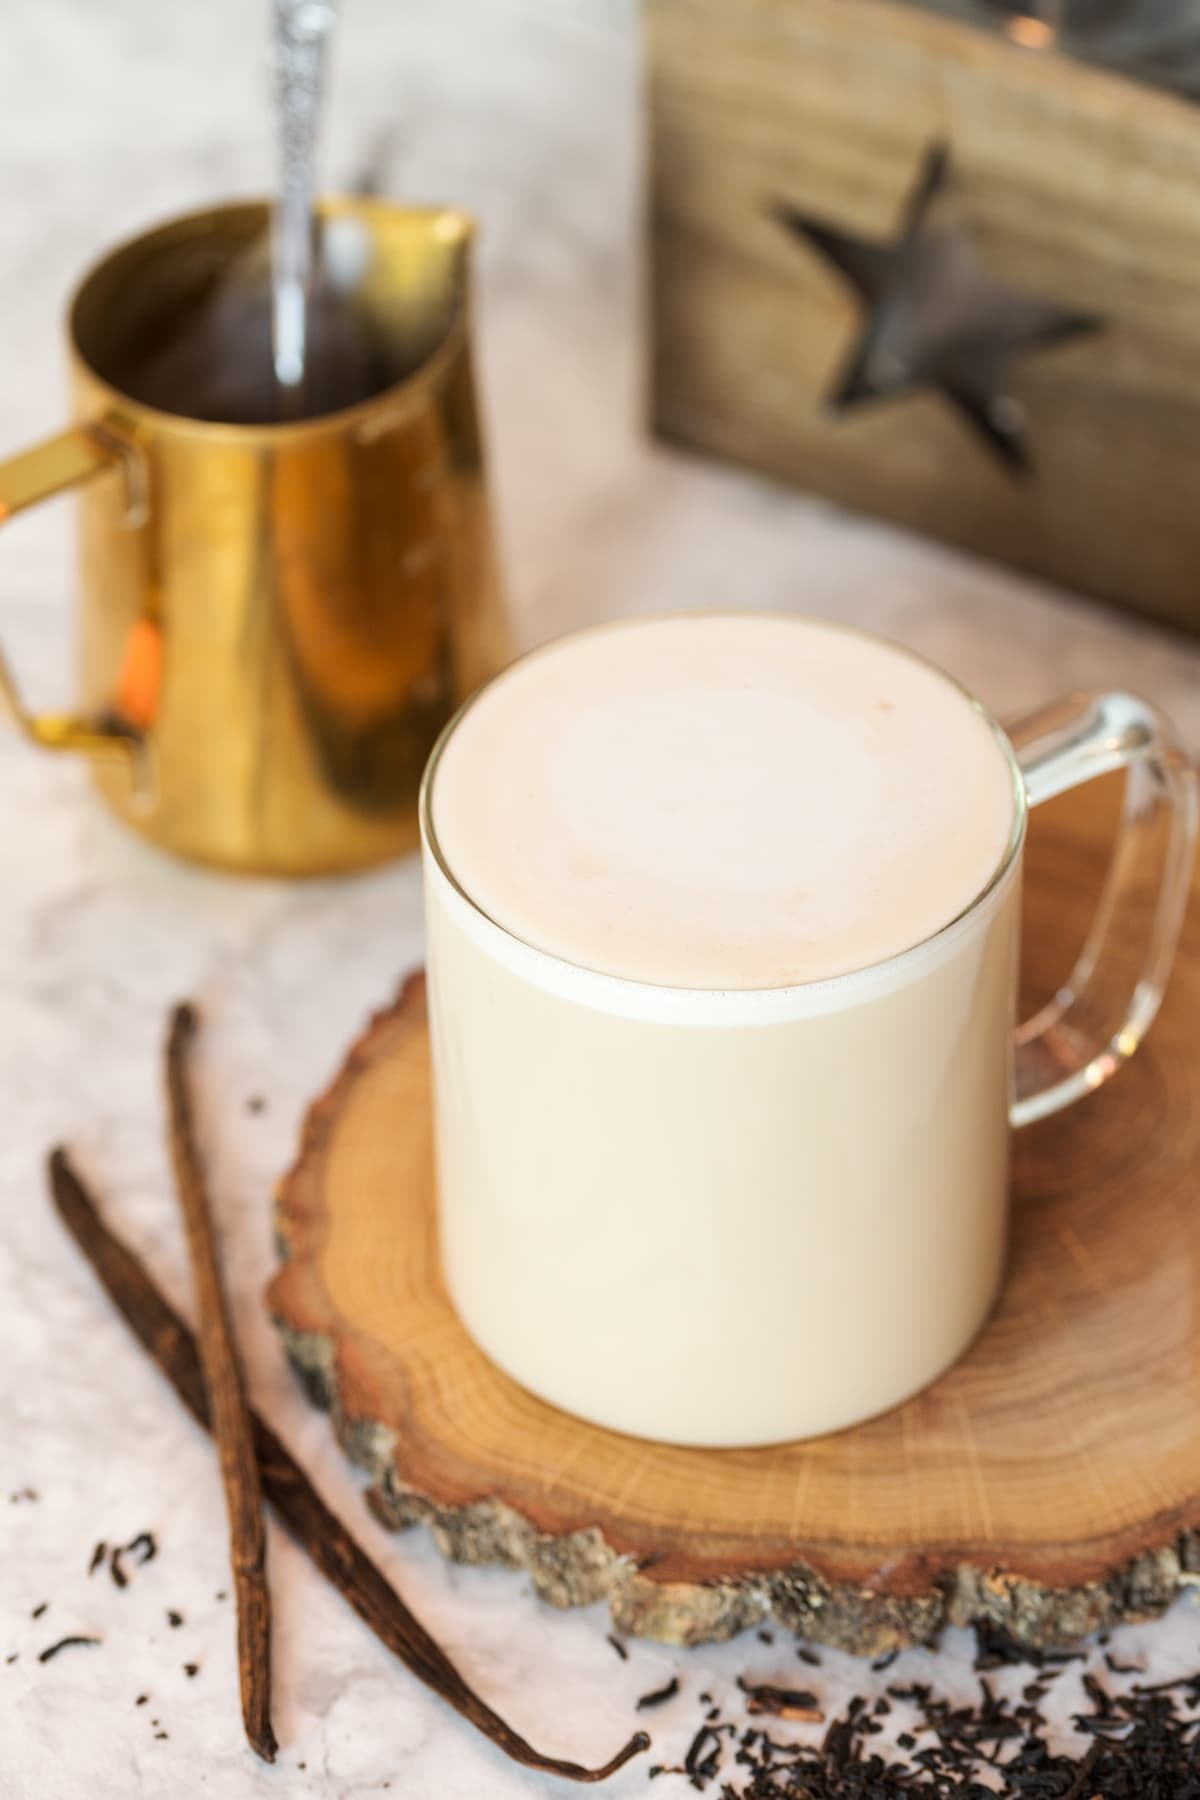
(725, 801)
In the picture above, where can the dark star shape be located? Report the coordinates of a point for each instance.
(935, 318)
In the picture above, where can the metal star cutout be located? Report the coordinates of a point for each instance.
(935, 317)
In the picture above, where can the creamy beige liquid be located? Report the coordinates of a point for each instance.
(723, 801)
(678, 1195)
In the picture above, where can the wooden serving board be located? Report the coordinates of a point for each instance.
(1049, 1483)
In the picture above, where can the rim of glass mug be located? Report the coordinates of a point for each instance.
(653, 1002)
(455, 229)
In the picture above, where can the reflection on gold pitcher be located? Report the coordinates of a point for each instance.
(277, 618)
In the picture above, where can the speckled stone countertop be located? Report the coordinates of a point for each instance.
(526, 112)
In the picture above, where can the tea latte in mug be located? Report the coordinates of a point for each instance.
(719, 802)
(722, 938)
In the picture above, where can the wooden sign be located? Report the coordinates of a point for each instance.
(928, 272)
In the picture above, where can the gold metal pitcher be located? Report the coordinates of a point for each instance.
(277, 619)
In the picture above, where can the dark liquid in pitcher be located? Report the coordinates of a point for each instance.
(212, 359)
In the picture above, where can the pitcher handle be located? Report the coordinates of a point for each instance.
(69, 460)
(1094, 1024)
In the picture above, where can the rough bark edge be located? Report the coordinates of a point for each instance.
(577, 1568)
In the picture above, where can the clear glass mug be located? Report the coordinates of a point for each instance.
(847, 1142)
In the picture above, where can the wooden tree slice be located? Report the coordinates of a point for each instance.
(1049, 1483)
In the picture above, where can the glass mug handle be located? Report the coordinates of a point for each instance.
(1094, 1023)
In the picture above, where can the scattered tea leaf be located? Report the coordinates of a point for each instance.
(785, 1703)
(52, 1650)
(659, 1696)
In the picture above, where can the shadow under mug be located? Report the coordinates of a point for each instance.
(277, 619)
(745, 1216)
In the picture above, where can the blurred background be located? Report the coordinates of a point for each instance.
(529, 113)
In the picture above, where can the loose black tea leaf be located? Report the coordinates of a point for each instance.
(1097, 1695)
(142, 1548)
(52, 1650)
(39, 1610)
(995, 1648)
(1161, 1687)
(886, 1660)
(191, 1669)
(174, 1620)
(703, 1759)
(808, 1656)
(765, 1637)
(141, 1700)
(784, 1703)
(659, 1696)
(13, 1657)
(619, 1647)
(1144, 1745)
